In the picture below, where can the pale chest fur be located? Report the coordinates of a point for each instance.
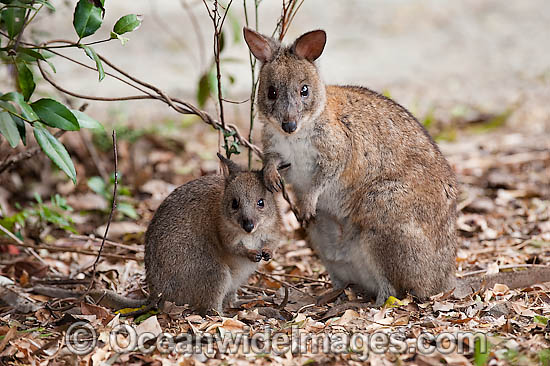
(299, 151)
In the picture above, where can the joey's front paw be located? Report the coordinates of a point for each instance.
(266, 254)
(272, 179)
(255, 255)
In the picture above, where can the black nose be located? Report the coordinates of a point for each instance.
(289, 127)
(248, 226)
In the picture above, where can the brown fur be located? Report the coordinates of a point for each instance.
(197, 251)
(379, 196)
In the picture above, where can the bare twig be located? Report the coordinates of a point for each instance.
(178, 105)
(507, 266)
(260, 289)
(308, 279)
(281, 282)
(217, 22)
(254, 82)
(24, 155)
(288, 13)
(113, 208)
(109, 242)
(29, 250)
(54, 248)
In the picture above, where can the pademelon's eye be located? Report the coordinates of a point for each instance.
(235, 204)
(305, 91)
(261, 203)
(271, 93)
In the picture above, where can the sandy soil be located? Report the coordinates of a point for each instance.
(427, 54)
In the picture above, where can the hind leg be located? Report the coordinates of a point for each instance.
(212, 289)
(325, 235)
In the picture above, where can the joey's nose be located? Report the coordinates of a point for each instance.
(248, 226)
(289, 127)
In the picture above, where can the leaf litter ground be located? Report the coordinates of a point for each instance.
(503, 224)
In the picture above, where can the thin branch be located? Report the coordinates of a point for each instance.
(113, 208)
(10, 234)
(252, 61)
(109, 242)
(282, 282)
(24, 155)
(63, 249)
(25, 23)
(106, 73)
(70, 45)
(217, 22)
(308, 279)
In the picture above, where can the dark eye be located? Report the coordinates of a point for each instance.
(305, 91)
(271, 93)
(261, 203)
(235, 204)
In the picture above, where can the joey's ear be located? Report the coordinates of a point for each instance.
(259, 45)
(310, 45)
(230, 168)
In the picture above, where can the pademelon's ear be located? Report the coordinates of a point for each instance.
(310, 45)
(230, 168)
(259, 45)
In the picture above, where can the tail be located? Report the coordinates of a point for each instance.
(519, 279)
(115, 301)
(106, 298)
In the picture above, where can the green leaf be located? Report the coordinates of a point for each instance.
(25, 80)
(86, 121)
(97, 185)
(13, 19)
(87, 18)
(93, 55)
(26, 109)
(55, 114)
(544, 357)
(204, 90)
(47, 3)
(222, 41)
(21, 127)
(31, 53)
(127, 23)
(8, 128)
(540, 319)
(235, 27)
(481, 358)
(122, 40)
(127, 209)
(54, 150)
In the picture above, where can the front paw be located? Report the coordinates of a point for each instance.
(272, 179)
(266, 254)
(307, 212)
(255, 255)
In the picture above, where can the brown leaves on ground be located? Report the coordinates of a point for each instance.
(503, 225)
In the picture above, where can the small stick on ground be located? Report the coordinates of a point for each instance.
(113, 208)
(54, 248)
(282, 282)
(301, 277)
(24, 155)
(109, 242)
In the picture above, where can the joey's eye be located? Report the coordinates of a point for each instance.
(260, 203)
(305, 91)
(271, 93)
(235, 204)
